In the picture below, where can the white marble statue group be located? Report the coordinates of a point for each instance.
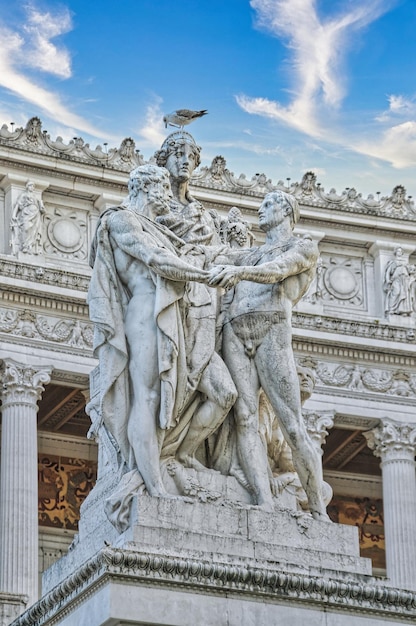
(193, 333)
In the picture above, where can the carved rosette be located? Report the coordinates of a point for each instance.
(393, 441)
(23, 384)
(317, 425)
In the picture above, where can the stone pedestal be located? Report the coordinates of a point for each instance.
(211, 563)
(22, 386)
(395, 443)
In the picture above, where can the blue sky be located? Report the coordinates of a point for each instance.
(290, 85)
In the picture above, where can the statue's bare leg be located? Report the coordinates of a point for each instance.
(216, 384)
(145, 392)
(278, 378)
(251, 452)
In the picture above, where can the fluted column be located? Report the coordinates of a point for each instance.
(22, 386)
(395, 444)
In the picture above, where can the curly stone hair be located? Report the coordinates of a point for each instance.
(175, 141)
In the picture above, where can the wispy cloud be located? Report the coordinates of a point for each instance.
(399, 106)
(31, 46)
(318, 49)
(153, 131)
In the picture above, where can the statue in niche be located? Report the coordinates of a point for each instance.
(399, 278)
(151, 259)
(268, 281)
(26, 222)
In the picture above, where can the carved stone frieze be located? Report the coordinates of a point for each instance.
(361, 378)
(26, 323)
(392, 440)
(66, 234)
(22, 383)
(356, 328)
(47, 276)
(34, 139)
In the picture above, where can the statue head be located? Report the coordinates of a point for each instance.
(286, 201)
(149, 187)
(177, 147)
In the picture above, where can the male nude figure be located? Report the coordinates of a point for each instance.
(133, 254)
(257, 346)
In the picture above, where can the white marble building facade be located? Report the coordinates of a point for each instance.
(355, 330)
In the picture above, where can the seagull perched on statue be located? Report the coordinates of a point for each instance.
(182, 117)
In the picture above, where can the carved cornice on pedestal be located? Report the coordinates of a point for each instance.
(23, 384)
(393, 440)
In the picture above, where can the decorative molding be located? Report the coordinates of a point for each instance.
(199, 575)
(358, 378)
(393, 440)
(26, 323)
(35, 300)
(33, 139)
(354, 327)
(66, 234)
(217, 176)
(340, 281)
(23, 384)
(46, 276)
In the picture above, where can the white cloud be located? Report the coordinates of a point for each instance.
(317, 52)
(39, 51)
(32, 47)
(397, 145)
(399, 106)
(153, 132)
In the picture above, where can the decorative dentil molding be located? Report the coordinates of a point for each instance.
(26, 323)
(392, 440)
(23, 384)
(317, 425)
(33, 139)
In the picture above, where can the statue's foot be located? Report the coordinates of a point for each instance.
(190, 461)
(266, 505)
(240, 476)
(320, 516)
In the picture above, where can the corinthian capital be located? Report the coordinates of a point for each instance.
(317, 424)
(23, 384)
(392, 440)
